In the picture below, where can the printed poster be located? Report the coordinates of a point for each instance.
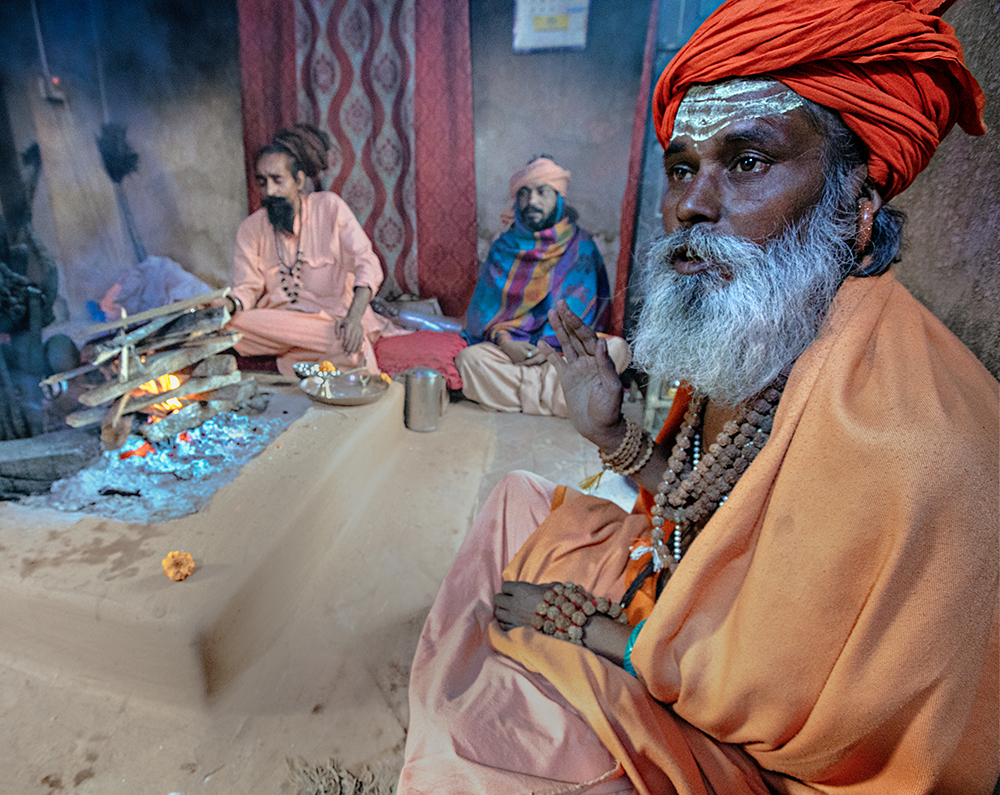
(550, 24)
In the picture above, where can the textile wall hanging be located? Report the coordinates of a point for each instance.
(267, 72)
(446, 156)
(354, 61)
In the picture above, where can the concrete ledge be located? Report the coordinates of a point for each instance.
(89, 599)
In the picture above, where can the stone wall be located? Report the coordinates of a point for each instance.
(952, 257)
(171, 75)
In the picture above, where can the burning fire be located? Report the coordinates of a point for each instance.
(165, 383)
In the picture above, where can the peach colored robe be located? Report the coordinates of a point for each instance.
(493, 381)
(337, 257)
(833, 629)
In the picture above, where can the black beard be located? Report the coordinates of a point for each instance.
(545, 223)
(280, 213)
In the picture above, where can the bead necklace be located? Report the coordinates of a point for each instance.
(694, 486)
(291, 276)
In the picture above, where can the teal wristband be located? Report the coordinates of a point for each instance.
(628, 647)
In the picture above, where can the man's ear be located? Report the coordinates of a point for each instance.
(869, 203)
(300, 180)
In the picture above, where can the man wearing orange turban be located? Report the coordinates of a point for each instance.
(544, 257)
(810, 575)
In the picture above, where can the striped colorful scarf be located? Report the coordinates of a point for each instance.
(525, 274)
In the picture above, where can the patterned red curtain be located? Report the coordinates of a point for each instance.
(446, 161)
(400, 121)
(267, 69)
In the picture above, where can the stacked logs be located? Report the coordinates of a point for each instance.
(186, 340)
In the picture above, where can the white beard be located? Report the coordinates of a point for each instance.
(729, 331)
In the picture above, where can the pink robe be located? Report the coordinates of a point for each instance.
(337, 256)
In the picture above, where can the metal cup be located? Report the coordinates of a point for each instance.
(426, 398)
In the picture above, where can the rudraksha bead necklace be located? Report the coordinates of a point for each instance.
(291, 275)
(695, 485)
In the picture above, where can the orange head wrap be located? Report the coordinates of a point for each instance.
(539, 170)
(892, 69)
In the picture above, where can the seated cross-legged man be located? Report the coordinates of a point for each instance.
(303, 269)
(810, 576)
(542, 258)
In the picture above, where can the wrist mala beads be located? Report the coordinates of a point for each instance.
(566, 608)
(632, 454)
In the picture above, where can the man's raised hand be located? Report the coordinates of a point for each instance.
(590, 383)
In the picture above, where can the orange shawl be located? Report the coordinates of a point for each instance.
(834, 627)
(892, 69)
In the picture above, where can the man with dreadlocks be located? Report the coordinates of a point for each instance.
(810, 577)
(304, 269)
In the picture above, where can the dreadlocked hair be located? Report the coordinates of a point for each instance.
(307, 147)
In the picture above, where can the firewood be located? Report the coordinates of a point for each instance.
(172, 330)
(202, 322)
(196, 388)
(68, 375)
(193, 389)
(85, 417)
(197, 322)
(184, 420)
(160, 365)
(237, 393)
(100, 350)
(220, 364)
(116, 428)
(149, 314)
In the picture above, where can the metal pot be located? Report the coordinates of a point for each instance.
(426, 399)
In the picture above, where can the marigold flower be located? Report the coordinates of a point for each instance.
(385, 377)
(326, 367)
(178, 566)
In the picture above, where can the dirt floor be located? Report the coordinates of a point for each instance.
(316, 568)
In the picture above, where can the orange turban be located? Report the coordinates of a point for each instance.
(537, 171)
(892, 69)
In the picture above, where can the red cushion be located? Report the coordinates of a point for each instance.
(435, 349)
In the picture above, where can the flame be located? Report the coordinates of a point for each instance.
(165, 383)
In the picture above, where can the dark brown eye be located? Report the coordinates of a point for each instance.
(679, 173)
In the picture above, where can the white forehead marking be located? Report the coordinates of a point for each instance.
(706, 109)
